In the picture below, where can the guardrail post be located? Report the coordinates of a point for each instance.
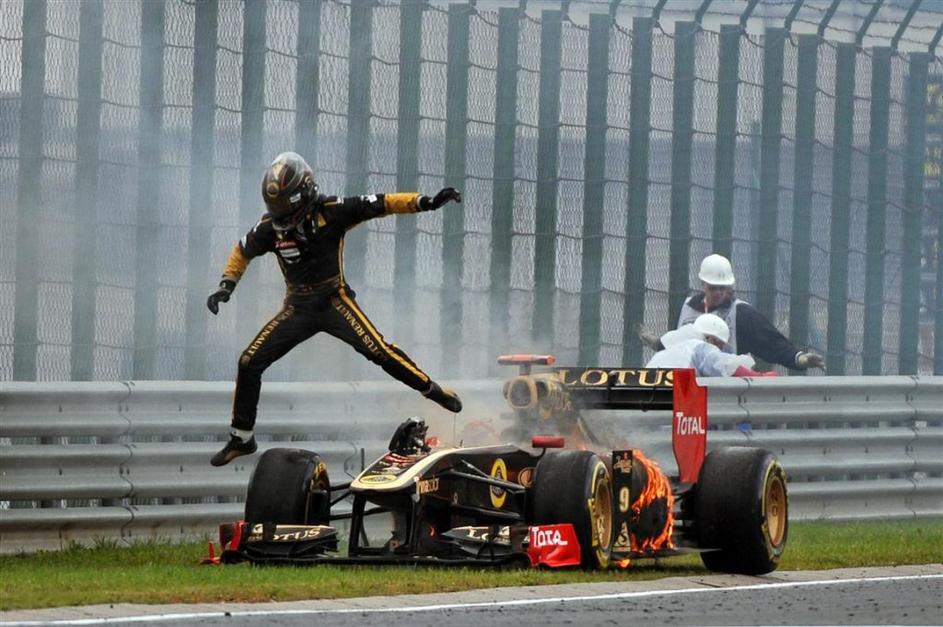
(548, 135)
(202, 173)
(726, 145)
(251, 160)
(640, 103)
(681, 138)
(407, 168)
(594, 186)
(772, 131)
(874, 295)
(358, 130)
(146, 285)
(28, 201)
(799, 291)
(913, 210)
(502, 212)
(87, 134)
(841, 201)
(453, 222)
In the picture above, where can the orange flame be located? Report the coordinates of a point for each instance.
(624, 563)
(656, 488)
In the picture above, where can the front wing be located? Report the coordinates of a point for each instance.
(538, 545)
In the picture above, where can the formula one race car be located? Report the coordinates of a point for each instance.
(506, 504)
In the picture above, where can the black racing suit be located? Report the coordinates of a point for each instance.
(753, 332)
(311, 258)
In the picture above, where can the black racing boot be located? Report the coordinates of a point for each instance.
(233, 449)
(443, 396)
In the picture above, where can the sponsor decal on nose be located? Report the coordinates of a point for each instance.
(553, 545)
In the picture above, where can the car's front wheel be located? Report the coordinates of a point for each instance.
(575, 487)
(289, 486)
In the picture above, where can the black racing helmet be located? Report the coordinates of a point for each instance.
(288, 188)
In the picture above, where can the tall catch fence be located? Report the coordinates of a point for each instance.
(602, 150)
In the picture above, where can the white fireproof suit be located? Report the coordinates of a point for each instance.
(686, 348)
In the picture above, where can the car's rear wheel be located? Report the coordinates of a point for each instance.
(742, 510)
(289, 486)
(575, 487)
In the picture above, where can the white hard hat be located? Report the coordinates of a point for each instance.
(712, 325)
(716, 270)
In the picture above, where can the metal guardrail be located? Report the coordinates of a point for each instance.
(130, 460)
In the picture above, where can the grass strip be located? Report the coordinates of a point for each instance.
(163, 572)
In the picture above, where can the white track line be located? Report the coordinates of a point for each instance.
(454, 606)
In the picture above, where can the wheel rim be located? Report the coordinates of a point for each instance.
(602, 516)
(776, 514)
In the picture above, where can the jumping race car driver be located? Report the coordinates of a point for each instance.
(700, 345)
(750, 331)
(306, 232)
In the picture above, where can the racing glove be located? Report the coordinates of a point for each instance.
(445, 195)
(226, 286)
(809, 359)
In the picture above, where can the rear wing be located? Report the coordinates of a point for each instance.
(618, 388)
(571, 389)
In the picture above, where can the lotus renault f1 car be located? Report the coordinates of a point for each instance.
(540, 505)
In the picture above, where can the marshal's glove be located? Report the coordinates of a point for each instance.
(226, 286)
(445, 195)
(648, 338)
(809, 359)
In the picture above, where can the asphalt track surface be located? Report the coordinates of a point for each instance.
(905, 595)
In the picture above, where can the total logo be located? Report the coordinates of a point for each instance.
(689, 425)
(540, 538)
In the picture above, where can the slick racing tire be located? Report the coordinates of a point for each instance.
(289, 486)
(742, 509)
(575, 487)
